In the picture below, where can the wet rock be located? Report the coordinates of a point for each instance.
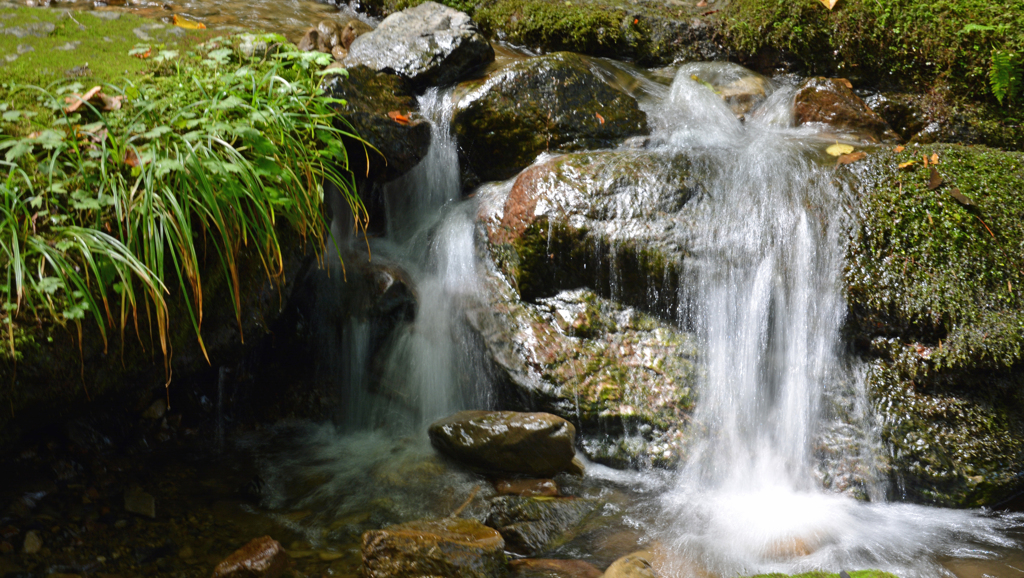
(33, 543)
(326, 36)
(353, 29)
(138, 502)
(452, 547)
(532, 526)
(537, 444)
(369, 97)
(261, 558)
(635, 565)
(741, 88)
(832, 102)
(429, 44)
(526, 487)
(554, 102)
(943, 118)
(609, 220)
(539, 568)
(626, 378)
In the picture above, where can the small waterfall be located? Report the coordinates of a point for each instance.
(426, 369)
(763, 293)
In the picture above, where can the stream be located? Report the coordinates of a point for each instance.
(762, 294)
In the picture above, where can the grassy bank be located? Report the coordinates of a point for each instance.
(195, 150)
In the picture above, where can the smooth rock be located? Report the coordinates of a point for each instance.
(532, 526)
(832, 102)
(537, 444)
(429, 44)
(261, 558)
(138, 502)
(554, 102)
(741, 88)
(353, 29)
(33, 543)
(540, 568)
(527, 488)
(156, 410)
(452, 547)
(323, 37)
(635, 565)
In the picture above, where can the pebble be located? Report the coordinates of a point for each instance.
(33, 543)
(138, 502)
(23, 48)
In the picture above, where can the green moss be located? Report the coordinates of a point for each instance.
(578, 27)
(941, 273)
(81, 45)
(903, 41)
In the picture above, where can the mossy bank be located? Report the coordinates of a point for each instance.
(934, 279)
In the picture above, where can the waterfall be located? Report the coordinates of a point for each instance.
(763, 293)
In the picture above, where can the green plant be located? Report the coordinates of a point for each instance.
(103, 211)
(1004, 75)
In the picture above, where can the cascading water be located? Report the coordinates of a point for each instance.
(763, 292)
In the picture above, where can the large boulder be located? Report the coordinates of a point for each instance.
(508, 442)
(399, 141)
(831, 101)
(741, 88)
(611, 221)
(429, 44)
(934, 286)
(532, 526)
(554, 102)
(452, 547)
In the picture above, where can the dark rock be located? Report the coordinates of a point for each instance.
(260, 558)
(429, 44)
(550, 103)
(532, 526)
(333, 37)
(536, 444)
(540, 568)
(937, 117)
(529, 488)
(832, 102)
(453, 547)
(369, 96)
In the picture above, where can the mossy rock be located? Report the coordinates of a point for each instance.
(551, 103)
(934, 286)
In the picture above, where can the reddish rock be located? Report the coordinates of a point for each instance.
(528, 488)
(260, 558)
(452, 547)
(831, 101)
(539, 568)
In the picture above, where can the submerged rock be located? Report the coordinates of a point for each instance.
(454, 548)
(535, 444)
(429, 44)
(526, 488)
(832, 102)
(635, 565)
(554, 102)
(541, 568)
(260, 558)
(741, 88)
(532, 526)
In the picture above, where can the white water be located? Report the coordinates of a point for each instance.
(764, 294)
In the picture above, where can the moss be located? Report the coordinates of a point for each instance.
(947, 275)
(903, 41)
(83, 45)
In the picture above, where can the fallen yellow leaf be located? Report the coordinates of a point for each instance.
(907, 164)
(900, 148)
(935, 158)
(830, 4)
(839, 149)
(182, 22)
